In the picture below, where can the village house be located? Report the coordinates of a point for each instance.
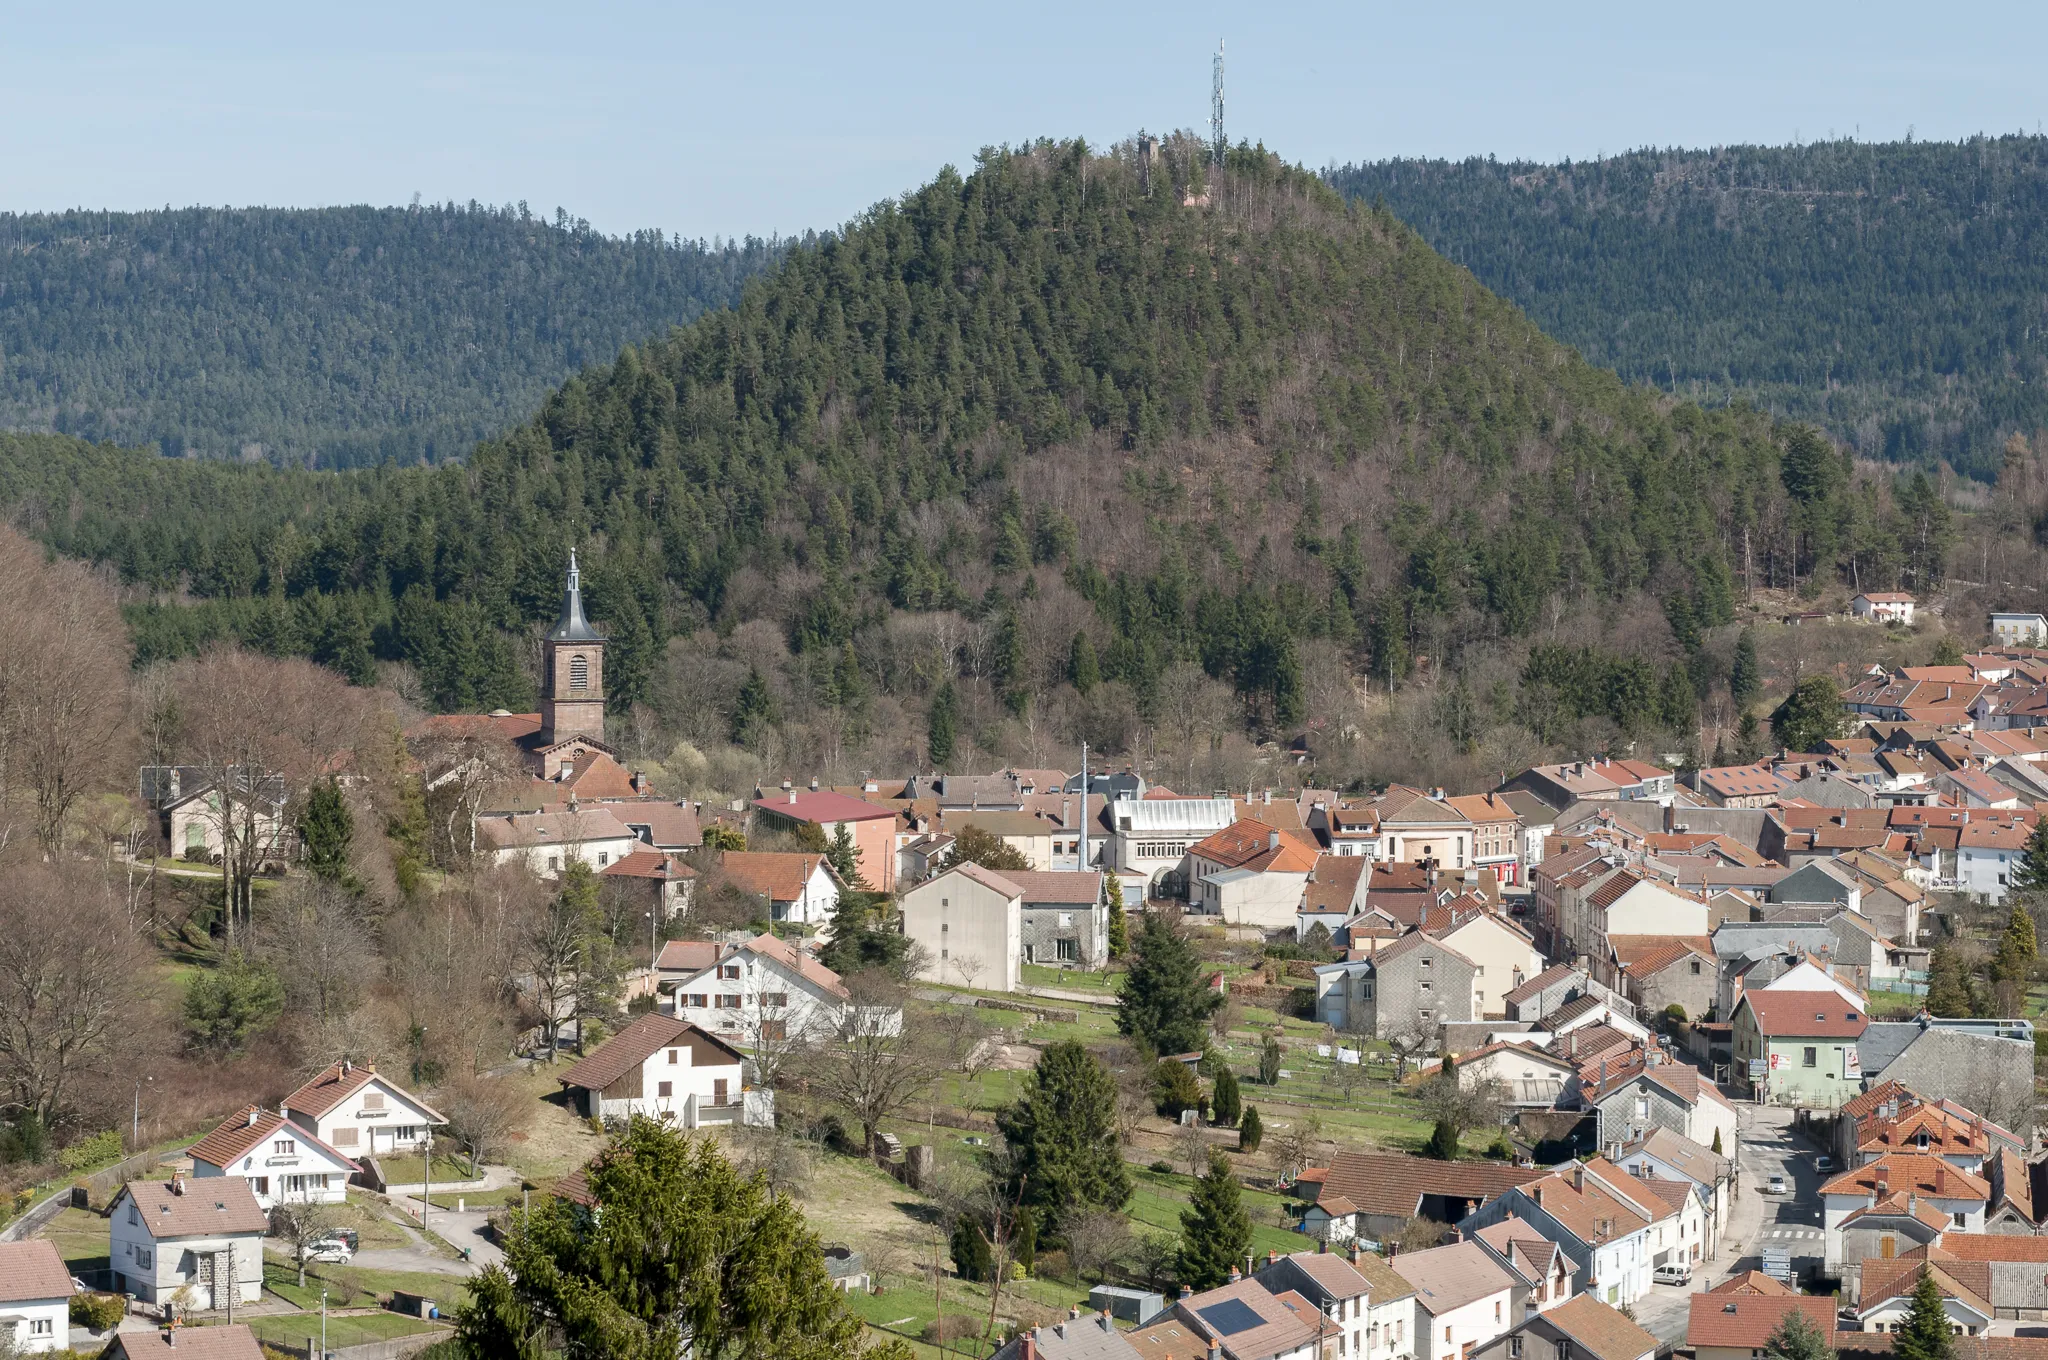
(1598, 779)
(1883, 606)
(1650, 1091)
(548, 842)
(1547, 1276)
(281, 1161)
(35, 1297)
(2016, 629)
(1496, 833)
(1591, 1213)
(1240, 1320)
(796, 886)
(1370, 1302)
(871, 827)
(1798, 1047)
(1463, 1299)
(1334, 892)
(1527, 1077)
(204, 1240)
(1502, 953)
(361, 1113)
(970, 924)
(1658, 972)
(1920, 1180)
(231, 1342)
(1736, 1325)
(1624, 902)
(666, 1069)
(1885, 1297)
(766, 991)
(1663, 1154)
(652, 880)
(195, 813)
(1250, 874)
(2008, 1273)
(1407, 990)
(1063, 919)
(1582, 1328)
(1372, 1195)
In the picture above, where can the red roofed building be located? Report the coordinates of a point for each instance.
(1799, 1048)
(872, 827)
(1250, 873)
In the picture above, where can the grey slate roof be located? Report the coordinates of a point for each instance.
(572, 626)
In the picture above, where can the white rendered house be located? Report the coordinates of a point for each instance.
(35, 1297)
(666, 1069)
(281, 1161)
(199, 1239)
(359, 1113)
(766, 990)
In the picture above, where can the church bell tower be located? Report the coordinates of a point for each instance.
(572, 693)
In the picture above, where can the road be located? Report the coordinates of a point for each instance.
(1792, 1221)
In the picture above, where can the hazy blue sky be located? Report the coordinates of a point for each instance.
(758, 118)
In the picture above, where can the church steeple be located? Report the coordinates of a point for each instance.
(572, 697)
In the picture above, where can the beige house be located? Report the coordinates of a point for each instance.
(201, 1242)
(546, 842)
(1503, 955)
(970, 922)
(1025, 832)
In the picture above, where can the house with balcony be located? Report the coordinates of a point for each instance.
(667, 1069)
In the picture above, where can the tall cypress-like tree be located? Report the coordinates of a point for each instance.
(1251, 1130)
(1226, 1105)
(1065, 1155)
(1119, 924)
(1925, 1334)
(753, 712)
(942, 724)
(1215, 1230)
(1796, 1338)
(1949, 996)
(2017, 948)
(1164, 1001)
(1810, 715)
(1746, 675)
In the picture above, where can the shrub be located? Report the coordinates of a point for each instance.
(98, 1311)
(951, 1327)
(102, 1147)
(1175, 1088)
(1053, 1265)
(1500, 1149)
(1163, 1168)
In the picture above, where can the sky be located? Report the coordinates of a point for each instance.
(739, 119)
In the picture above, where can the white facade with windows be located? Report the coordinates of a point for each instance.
(35, 1297)
(281, 1161)
(359, 1113)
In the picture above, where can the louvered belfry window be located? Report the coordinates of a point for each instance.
(579, 672)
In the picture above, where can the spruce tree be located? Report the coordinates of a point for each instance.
(1811, 714)
(327, 829)
(1925, 1334)
(1948, 985)
(971, 1257)
(1164, 1002)
(2030, 875)
(1443, 1142)
(1796, 1338)
(844, 857)
(1717, 1150)
(1745, 676)
(1947, 652)
(1062, 1137)
(1215, 1230)
(1119, 924)
(1225, 1104)
(1082, 666)
(1251, 1130)
(1749, 740)
(753, 712)
(1269, 1062)
(942, 723)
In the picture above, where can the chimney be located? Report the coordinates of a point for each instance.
(640, 785)
(370, 1066)
(1030, 1350)
(814, 783)
(1941, 1178)
(1579, 1176)
(1272, 840)
(1536, 1193)
(255, 1112)
(1272, 1258)
(1356, 1251)
(1186, 1292)
(178, 1183)
(1248, 1263)
(1215, 1349)
(1074, 1313)
(1103, 1318)
(792, 797)
(1269, 797)
(1235, 1275)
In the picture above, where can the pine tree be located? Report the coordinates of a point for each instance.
(1119, 925)
(1925, 1334)
(1225, 1104)
(1251, 1130)
(753, 712)
(1215, 1230)
(1947, 652)
(1062, 1135)
(969, 1242)
(327, 829)
(1443, 1142)
(1082, 666)
(1811, 714)
(1746, 675)
(1269, 1062)
(1165, 1002)
(942, 723)
(2030, 875)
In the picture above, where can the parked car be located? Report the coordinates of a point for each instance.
(1776, 1186)
(332, 1250)
(1676, 1272)
(1823, 1164)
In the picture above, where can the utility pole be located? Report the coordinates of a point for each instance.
(1083, 865)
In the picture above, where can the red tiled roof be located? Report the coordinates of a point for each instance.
(777, 875)
(32, 1271)
(333, 1086)
(1746, 1321)
(638, 1042)
(239, 1133)
(1394, 1183)
(1754, 1282)
(1248, 844)
(207, 1341)
(1805, 1015)
(209, 1206)
(1602, 1332)
(821, 807)
(1913, 1172)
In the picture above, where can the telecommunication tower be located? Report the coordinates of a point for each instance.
(1216, 102)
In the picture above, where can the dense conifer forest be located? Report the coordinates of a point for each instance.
(1896, 292)
(1068, 447)
(333, 337)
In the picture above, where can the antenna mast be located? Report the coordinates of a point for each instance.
(1216, 103)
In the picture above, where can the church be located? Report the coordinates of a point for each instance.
(576, 801)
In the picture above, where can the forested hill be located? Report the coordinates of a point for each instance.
(1897, 292)
(1051, 429)
(329, 336)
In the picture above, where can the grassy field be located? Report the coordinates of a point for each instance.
(358, 1286)
(411, 1168)
(1073, 979)
(80, 1237)
(294, 1330)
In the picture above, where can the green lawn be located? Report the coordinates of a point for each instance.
(80, 1237)
(358, 1286)
(1073, 979)
(410, 1169)
(1162, 1195)
(294, 1330)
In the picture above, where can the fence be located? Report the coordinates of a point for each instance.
(396, 1348)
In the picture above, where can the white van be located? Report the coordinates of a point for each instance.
(1675, 1272)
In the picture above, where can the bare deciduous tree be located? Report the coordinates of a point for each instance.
(301, 1223)
(1096, 1239)
(71, 983)
(483, 1113)
(870, 1067)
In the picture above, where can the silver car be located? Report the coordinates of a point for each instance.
(1776, 1186)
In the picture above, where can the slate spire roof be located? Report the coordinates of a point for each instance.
(572, 626)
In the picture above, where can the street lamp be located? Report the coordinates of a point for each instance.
(323, 1325)
(135, 1120)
